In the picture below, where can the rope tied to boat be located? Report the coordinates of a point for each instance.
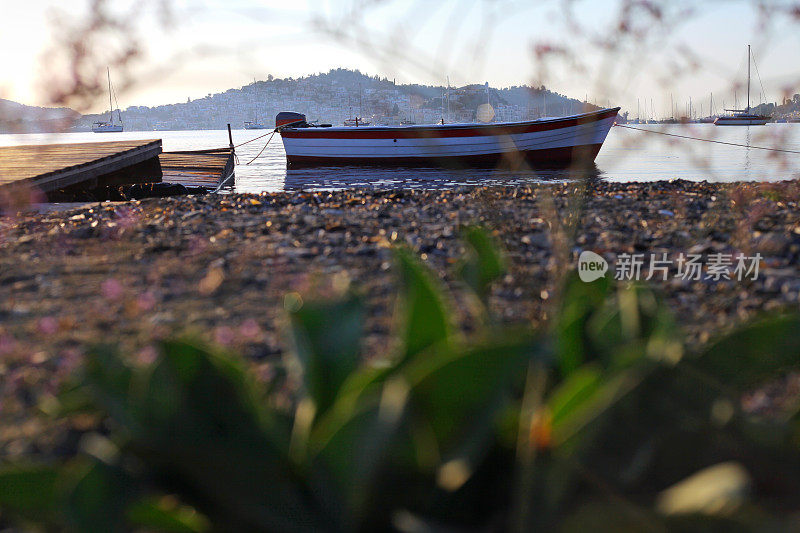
(254, 139)
(709, 140)
(264, 148)
(229, 176)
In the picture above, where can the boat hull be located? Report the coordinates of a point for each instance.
(550, 143)
(107, 129)
(545, 158)
(736, 121)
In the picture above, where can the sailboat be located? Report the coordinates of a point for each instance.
(255, 125)
(357, 121)
(108, 127)
(743, 117)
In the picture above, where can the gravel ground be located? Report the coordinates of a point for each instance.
(221, 266)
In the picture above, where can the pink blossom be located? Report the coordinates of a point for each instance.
(48, 325)
(224, 336)
(250, 329)
(7, 344)
(147, 355)
(146, 301)
(112, 289)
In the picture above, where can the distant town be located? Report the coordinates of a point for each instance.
(336, 96)
(332, 97)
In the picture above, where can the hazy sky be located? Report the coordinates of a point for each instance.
(213, 45)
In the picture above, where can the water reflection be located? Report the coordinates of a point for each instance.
(748, 164)
(322, 178)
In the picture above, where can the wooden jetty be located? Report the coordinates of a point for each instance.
(200, 167)
(197, 167)
(53, 167)
(88, 166)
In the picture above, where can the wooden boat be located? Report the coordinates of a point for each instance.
(108, 127)
(551, 142)
(743, 117)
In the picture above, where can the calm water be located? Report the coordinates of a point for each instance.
(627, 155)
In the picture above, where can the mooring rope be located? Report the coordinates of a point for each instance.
(709, 140)
(255, 139)
(223, 182)
(262, 150)
(229, 176)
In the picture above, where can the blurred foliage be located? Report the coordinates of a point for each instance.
(603, 421)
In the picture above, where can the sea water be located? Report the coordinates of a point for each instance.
(643, 154)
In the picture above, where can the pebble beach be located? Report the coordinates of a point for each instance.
(221, 267)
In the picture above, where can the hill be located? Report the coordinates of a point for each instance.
(20, 118)
(339, 94)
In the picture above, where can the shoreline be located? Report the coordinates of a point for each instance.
(220, 266)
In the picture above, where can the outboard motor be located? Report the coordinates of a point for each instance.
(284, 118)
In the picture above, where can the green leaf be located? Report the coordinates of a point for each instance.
(109, 380)
(196, 418)
(459, 393)
(573, 392)
(204, 425)
(327, 342)
(583, 397)
(166, 515)
(351, 444)
(424, 318)
(482, 263)
(97, 500)
(754, 353)
(634, 325)
(30, 491)
(580, 302)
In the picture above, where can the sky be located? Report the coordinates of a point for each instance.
(208, 46)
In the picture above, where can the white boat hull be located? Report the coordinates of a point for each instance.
(556, 142)
(107, 128)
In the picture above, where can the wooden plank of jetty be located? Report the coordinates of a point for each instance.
(197, 167)
(51, 167)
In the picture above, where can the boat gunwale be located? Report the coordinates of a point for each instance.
(590, 116)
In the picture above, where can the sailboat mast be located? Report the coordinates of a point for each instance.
(110, 106)
(448, 98)
(748, 78)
